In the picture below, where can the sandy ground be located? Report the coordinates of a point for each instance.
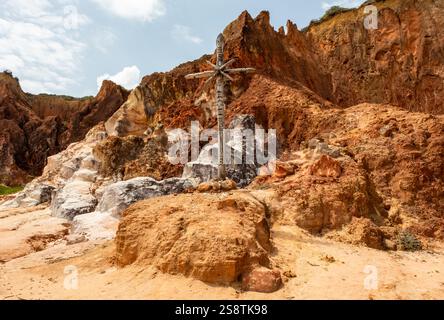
(315, 268)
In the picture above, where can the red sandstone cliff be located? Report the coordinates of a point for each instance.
(335, 63)
(399, 63)
(35, 127)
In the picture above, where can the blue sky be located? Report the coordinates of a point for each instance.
(70, 46)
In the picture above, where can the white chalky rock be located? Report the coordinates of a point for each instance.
(74, 199)
(119, 196)
(96, 225)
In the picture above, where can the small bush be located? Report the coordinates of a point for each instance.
(330, 13)
(4, 190)
(408, 242)
(333, 11)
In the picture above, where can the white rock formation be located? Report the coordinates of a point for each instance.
(73, 199)
(131, 118)
(96, 225)
(102, 224)
(72, 168)
(205, 167)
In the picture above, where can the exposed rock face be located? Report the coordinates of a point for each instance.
(356, 174)
(319, 202)
(75, 166)
(193, 236)
(100, 222)
(337, 61)
(74, 199)
(132, 156)
(371, 163)
(36, 127)
(366, 172)
(132, 117)
(400, 152)
(291, 112)
(119, 196)
(288, 57)
(34, 194)
(262, 280)
(24, 231)
(239, 170)
(401, 62)
(95, 226)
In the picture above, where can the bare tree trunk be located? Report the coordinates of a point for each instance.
(220, 72)
(221, 121)
(220, 107)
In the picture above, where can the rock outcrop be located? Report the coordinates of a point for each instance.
(27, 230)
(336, 62)
(243, 167)
(323, 193)
(208, 237)
(132, 156)
(400, 62)
(119, 196)
(367, 174)
(100, 221)
(374, 161)
(36, 127)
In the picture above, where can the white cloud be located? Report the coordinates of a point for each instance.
(183, 33)
(128, 78)
(341, 3)
(25, 8)
(143, 10)
(39, 45)
(103, 40)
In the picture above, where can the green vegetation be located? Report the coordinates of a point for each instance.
(330, 13)
(333, 11)
(8, 73)
(409, 242)
(63, 97)
(4, 190)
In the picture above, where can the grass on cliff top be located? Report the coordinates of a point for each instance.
(337, 10)
(4, 190)
(62, 97)
(330, 13)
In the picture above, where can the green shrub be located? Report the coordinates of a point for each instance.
(408, 242)
(330, 13)
(333, 11)
(4, 190)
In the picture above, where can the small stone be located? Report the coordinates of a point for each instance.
(326, 167)
(204, 187)
(290, 274)
(262, 280)
(228, 185)
(227, 203)
(390, 245)
(329, 259)
(75, 238)
(283, 169)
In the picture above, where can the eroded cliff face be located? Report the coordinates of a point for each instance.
(337, 63)
(170, 99)
(36, 127)
(401, 62)
(363, 174)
